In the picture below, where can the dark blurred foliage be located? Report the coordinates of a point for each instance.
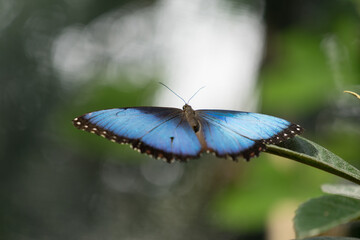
(317, 17)
(57, 183)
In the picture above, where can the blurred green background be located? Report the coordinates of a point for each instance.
(60, 183)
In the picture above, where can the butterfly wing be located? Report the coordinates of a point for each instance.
(234, 133)
(160, 132)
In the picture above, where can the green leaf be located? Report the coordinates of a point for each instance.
(346, 190)
(321, 214)
(312, 154)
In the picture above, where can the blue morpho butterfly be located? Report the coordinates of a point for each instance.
(175, 134)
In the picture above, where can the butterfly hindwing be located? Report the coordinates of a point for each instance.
(160, 132)
(233, 133)
(224, 142)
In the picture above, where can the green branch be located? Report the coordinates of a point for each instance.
(312, 154)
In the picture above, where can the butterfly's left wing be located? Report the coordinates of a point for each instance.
(234, 133)
(160, 132)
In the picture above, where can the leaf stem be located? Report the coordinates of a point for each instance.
(311, 161)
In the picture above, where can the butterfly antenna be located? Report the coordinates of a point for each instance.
(196, 93)
(173, 92)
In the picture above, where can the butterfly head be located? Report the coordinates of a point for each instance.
(188, 110)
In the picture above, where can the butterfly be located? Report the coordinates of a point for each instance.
(182, 134)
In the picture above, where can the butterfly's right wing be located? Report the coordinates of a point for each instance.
(160, 132)
(234, 133)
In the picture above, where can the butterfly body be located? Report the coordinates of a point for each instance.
(175, 134)
(191, 117)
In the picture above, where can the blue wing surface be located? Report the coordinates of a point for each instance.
(223, 141)
(234, 133)
(160, 132)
